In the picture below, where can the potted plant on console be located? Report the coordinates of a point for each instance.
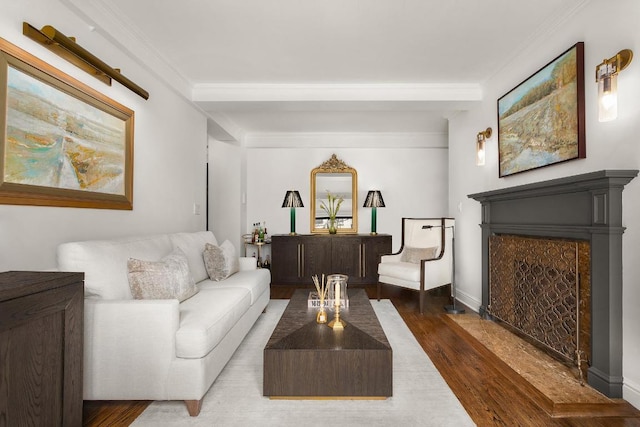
(331, 208)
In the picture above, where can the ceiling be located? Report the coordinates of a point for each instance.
(262, 67)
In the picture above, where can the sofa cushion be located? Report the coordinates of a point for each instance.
(104, 262)
(415, 255)
(193, 245)
(255, 281)
(206, 318)
(220, 261)
(168, 278)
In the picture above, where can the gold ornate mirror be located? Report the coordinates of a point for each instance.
(339, 180)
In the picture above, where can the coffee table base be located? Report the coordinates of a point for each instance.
(307, 360)
(342, 374)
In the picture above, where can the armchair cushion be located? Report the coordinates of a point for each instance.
(404, 271)
(415, 255)
(168, 278)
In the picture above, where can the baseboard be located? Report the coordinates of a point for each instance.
(631, 393)
(468, 300)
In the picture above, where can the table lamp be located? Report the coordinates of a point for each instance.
(292, 200)
(374, 200)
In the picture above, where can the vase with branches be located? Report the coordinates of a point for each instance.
(331, 208)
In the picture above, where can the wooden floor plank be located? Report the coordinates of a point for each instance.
(478, 380)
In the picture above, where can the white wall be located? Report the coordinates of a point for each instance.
(612, 145)
(225, 192)
(413, 182)
(169, 144)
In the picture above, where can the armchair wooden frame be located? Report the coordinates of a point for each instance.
(433, 272)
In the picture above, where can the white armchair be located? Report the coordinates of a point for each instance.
(425, 259)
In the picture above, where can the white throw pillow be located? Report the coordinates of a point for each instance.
(168, 278)
(415, 255)
(221, 261)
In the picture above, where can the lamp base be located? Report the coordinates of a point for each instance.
(293, 233)
(373, 233)
(452, 309)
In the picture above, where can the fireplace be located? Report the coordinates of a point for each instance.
(541, 289)
(582, 208)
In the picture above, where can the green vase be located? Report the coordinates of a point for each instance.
(332, 226)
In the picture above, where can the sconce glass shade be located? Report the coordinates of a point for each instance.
(292, 200)
(607, 79)
(480, 150)
(608, 98)
(481, 139)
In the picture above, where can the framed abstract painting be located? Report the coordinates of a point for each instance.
(542, 120)
(61, 143)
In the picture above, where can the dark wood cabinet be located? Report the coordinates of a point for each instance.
(41, 336)
(294, 259)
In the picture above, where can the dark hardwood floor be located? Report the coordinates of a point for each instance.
(476, 377)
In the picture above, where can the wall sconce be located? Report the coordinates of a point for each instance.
(292, 200)
(607, 79)
(67, 48)
(480, 140)
(373, 200)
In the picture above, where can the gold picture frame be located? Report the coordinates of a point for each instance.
(62, 143)
(341, 180)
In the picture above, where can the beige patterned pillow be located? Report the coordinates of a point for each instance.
(220, 261)
(168, 278)
(414, 255)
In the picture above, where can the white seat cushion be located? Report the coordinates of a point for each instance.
(402, 270)
(206, 318)
(255, 281)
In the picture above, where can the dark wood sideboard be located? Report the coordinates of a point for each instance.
(41, 336)
(294, 259)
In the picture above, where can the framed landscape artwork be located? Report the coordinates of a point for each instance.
(61, 142)
(541, 121)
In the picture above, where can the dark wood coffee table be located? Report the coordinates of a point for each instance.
(304, 359)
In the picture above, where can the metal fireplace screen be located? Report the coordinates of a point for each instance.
(541, 287)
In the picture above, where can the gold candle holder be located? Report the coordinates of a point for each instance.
(337, 323)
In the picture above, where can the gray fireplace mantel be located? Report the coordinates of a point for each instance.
(587, 207)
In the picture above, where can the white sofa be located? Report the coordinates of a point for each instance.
(155, 349)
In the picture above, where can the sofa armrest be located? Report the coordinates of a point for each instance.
(248, 263)
(129, 346)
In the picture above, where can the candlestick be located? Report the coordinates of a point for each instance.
(337, 323)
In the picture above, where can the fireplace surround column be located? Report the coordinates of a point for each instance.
(587, 207)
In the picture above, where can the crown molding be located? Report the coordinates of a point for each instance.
(256, 92)
(395, 140)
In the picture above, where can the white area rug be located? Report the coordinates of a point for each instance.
(420, 395)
